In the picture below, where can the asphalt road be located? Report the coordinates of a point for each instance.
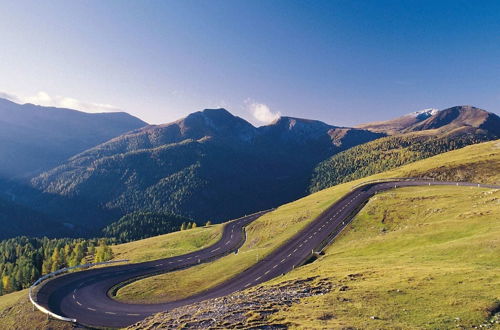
(84, 295)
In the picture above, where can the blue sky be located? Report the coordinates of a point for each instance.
(343, 62)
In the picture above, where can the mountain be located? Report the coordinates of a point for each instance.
(35, 138)
(210, 165)
(435, 132)
(398, 125)
(465, 118)
(459, 120)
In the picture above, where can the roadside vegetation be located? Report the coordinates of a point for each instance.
(426, 257)
(16, 312)
(140, 225)
(480, 163)
(23, 259)
(168, 245)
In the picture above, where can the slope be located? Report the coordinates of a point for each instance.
(443, 131)
(35, 138)
(413, 258)
(210, 165)
(482, 162)
(268, 232)
(16, 312)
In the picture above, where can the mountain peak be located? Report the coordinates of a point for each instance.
(462, 116)
(423, 114)
(300, 124)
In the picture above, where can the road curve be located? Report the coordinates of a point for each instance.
(83, 295)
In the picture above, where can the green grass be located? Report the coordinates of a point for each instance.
(479, 163)
(371, 296)
(168, 245)
(16, 312)
(426, 257)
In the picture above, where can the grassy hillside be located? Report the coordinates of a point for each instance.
(479, 163)
(384, 154)
(16, 311)
(168, 245)
(426, 257)
(419, 135)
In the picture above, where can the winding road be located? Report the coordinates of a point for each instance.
(84, 295)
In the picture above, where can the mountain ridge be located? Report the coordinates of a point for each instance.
(35, 138)
(446, 119)
(171, 167)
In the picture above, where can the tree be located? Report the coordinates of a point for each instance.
(189, 225)
(57, 260)
(183, 226)
(7, 284)
(209, 223)
(46, 266)
(103, 252)
(195, 225)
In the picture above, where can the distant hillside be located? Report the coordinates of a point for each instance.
(35, 138)
(398, 125)
(443, 131)
(17, 219)
(465, 118)
(25, 210)
(210, 165)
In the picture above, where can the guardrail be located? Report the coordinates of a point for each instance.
(57, 272)
(391, 179)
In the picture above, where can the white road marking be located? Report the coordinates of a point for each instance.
(228, 242)
(294, 250)
(247, 285)
(282, 260)
(132, 314)
(267, 272)
(110, 313)
(91, 309)
(258, 278)
(275, 266)
(78, 303)
(158, 265)
(73, 296)
(215, 250)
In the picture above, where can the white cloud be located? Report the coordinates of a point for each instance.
(10, 97)
(43, 98)
(262, 112)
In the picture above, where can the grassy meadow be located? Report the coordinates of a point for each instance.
(479, 163)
